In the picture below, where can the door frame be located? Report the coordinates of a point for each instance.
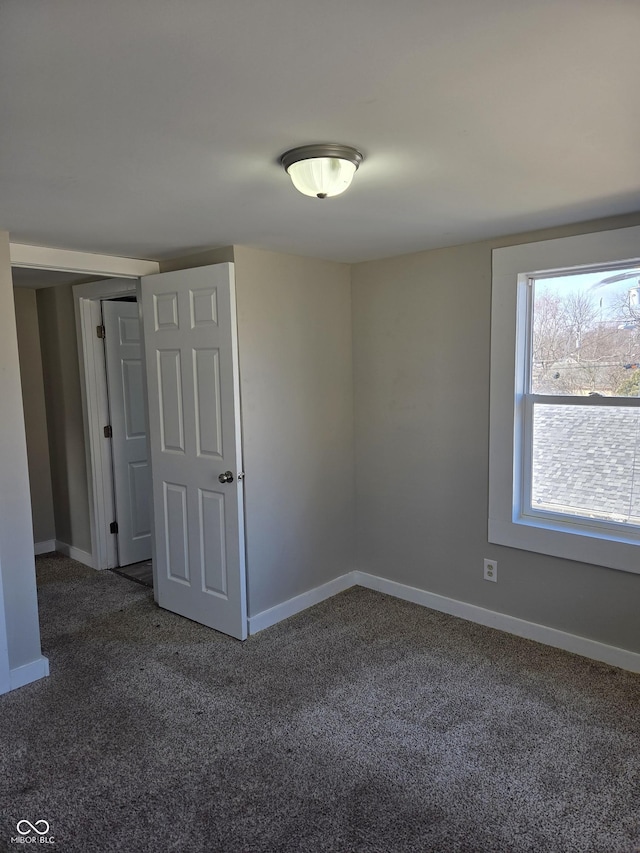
(123, 275)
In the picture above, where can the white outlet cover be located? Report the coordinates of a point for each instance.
(491, 570)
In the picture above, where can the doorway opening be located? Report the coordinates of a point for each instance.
(191, 399)
(59, 375)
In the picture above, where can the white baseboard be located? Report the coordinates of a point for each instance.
(28, 672)
(583, 646)
(294, 605)
(44, 547)
(510, 624)
(75, 553)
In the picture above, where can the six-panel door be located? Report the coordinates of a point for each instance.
(131, 476)
(194, 433)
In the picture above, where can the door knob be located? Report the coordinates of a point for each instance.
(227, 477)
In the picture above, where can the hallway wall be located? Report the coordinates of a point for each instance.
(35, 416)
(64, 416)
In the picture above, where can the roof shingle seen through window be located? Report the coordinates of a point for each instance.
(586, 461)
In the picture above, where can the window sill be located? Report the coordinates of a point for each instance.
(568, 542)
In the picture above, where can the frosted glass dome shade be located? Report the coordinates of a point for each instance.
(322, 176)
(321, 170)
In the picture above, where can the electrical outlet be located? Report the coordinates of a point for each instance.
(491, 570)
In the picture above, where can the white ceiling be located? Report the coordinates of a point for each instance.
(152, 128)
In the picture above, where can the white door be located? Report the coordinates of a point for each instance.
(131, 476)
(191, 358)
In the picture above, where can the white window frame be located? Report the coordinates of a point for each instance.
(511, 521)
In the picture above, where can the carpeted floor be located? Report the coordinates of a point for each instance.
(364, 725)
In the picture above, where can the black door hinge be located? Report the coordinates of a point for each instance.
(100, 331)
(113, 527)
(108, 432)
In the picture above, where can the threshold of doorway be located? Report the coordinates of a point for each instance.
(141, 573)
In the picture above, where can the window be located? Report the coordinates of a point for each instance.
(565, 398)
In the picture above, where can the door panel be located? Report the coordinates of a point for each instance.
(170, 400)
(131, 476)
(212, 524)
(206, 366)
(194, 435)
(176, 554)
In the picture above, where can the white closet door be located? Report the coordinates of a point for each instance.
(131, 479)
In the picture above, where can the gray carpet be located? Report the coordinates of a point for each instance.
(364, 725)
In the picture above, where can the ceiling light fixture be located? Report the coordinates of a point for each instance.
(321, 170)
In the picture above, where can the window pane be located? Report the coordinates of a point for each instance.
(586, 461)
(586, 334)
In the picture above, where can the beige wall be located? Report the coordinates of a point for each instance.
(64, 416)
(294, 331)
(421, 375)
(34, 414)
(19, 630)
